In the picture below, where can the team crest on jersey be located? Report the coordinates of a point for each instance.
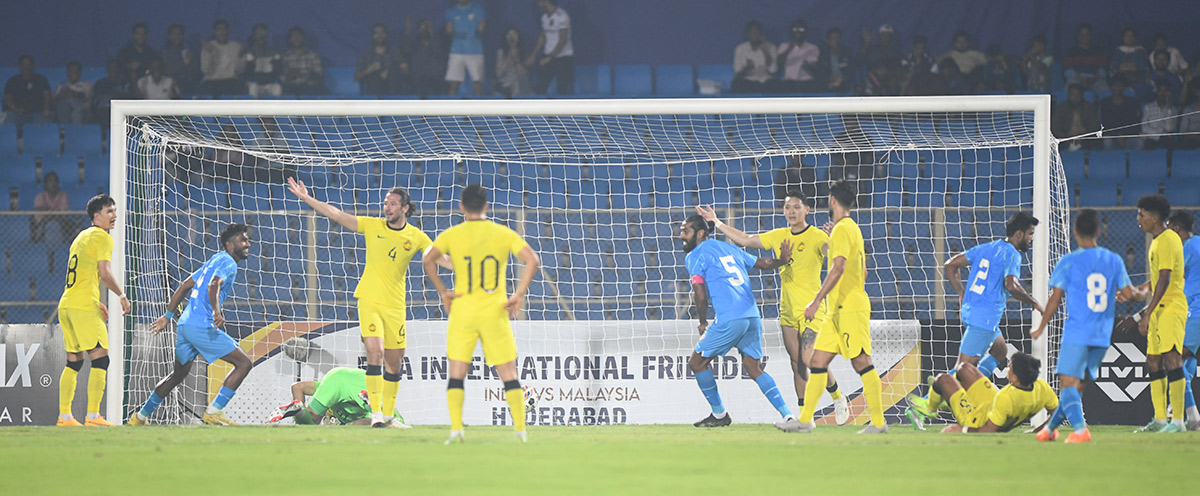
(408, 246)
(371, 328)
(800, 246)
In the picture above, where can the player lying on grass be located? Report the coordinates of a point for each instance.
(718, 272)
(340, 397)
(979, 407)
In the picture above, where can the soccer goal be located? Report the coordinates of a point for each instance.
(598, 188)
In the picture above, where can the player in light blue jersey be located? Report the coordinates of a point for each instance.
(995, 271)
(1181, 222)
(718, 273)
(1090, 277)
(199, 328)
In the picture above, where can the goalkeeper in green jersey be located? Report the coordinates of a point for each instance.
(340, 396)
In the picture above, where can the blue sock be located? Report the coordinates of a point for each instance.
(1072, 405)
(1058, 417)
(1189, 372)
(151, 404)
(708, 386)
(987, 365)
(766, 384)
(223, 398)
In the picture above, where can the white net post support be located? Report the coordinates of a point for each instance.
(1010, 135)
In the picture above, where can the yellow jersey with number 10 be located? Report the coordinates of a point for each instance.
(479, 250)
(82, 290)
(850, 294)
(389, 252)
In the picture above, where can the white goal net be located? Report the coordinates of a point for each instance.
(598, 189)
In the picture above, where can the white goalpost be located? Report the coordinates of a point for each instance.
(598, 188)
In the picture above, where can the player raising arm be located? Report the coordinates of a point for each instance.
(718, 272)
(1163, 319)
(392, 242)
(83, 315)
(1089, 279)
(1181, 222)
(200, 328)
(479, 307)
(799, 280)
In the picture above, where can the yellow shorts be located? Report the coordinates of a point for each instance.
(972, 406)
(1166, 332)
(382, 321)
(82, 329)
(472, 324)
(794, 318)
(846, 333)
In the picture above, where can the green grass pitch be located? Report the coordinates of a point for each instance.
(584, 460)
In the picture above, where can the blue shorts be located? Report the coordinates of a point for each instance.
(1191, 332)
(976, 340)
(743, 334)
(1076, 359)
(211, 342)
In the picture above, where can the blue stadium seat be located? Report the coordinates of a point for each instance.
(674, 80)
(1073, 166)
(1148, 164)
(722, 73)
(632, 80)
(1132, 189)
(42, 140)
(1183, 191)
(67, 169)
(8, 140)
(340, 81)
(1097, 193)
(1185, 164)
(1109, 165)
(592, 80)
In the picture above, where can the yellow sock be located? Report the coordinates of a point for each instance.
(455, 397)
(390, 389)
(374, 392)
(1158, 397)
(66, 390)
(812, 394)
(1175, 393)
(873, 393)
(834, 392)
(516, 405)
(97, 378)
(935, 399)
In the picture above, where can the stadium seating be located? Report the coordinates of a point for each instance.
(674, 80)
(43, 140)
(592, 80)
(632, 80)
(1109, 165)
(1148, 163)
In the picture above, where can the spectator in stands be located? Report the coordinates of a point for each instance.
(1084, 63)
(221, 63)
(263, 64)
(879, 80)
(836, 64)
(465, 22)
(1159, 118)
(512, 75)
(1189, 120)
(1119, 118)
(998, 75)
(1035, 65)
(1160, 75)
(967, 58)
(73, 98)
(138, 51)
(302, 72)
(885, 50)
(1074, 117)
(947, 81)
(798, 58)
(916, 67)
(427, 60)
(157, 85)
(1178, 65)
(27, 95)
(50, 199)
(753, 62)
(380, 68)
(1128, 60)
(555, 52)
(181, 63)
(114, 86)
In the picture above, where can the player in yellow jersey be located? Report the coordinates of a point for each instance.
(1163, 319)
(799, 280)
(391, 244)
(83, 314)
(848, 329)
(979, 407)
(479, 307)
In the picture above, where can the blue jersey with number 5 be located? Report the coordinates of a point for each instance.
(991, 264)
(723, 267)
(199, 312)
(1090, 277)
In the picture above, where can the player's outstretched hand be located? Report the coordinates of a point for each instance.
(514, 306)
(810, 312)
(1037, 332)
(785, 250)
(707, 212)
(125, 307)
(828, 227)
(158, 325)
(297, 188)
(1144, 324)
(1125, 324)
(219, 319)
(448, 299)
(702, 327)
(285, 411)
(104, 313)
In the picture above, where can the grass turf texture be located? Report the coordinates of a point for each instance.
(604, 460)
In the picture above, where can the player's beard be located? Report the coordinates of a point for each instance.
(689, 244)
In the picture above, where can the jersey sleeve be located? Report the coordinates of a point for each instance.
(442, 243)
(515, 242)
(367, 225)
(226, 270)
(1001, 410)
(103, 247)
(1058, 278)
(1122, 274)
(770, 239)
(1014, 263)
(423, 242)
(747, 259)
(1048, 392)
(972, 254)
(839, 243)
(694, 266)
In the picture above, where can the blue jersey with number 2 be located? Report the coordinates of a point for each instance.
(723, 267)
(991, 264)
(199, 313)
(1090, 277)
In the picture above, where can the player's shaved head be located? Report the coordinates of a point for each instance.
(1087, 224)
(474, 198)
(1026, 368)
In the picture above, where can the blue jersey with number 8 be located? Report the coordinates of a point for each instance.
(1090, 277)
(723, 268)
(991, 263)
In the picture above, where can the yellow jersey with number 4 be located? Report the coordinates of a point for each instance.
(1166, 253)
(82, 290)
(479, 250)
(389, 252)
(850, 293)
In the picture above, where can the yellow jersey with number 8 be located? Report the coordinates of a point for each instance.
(82, 290)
